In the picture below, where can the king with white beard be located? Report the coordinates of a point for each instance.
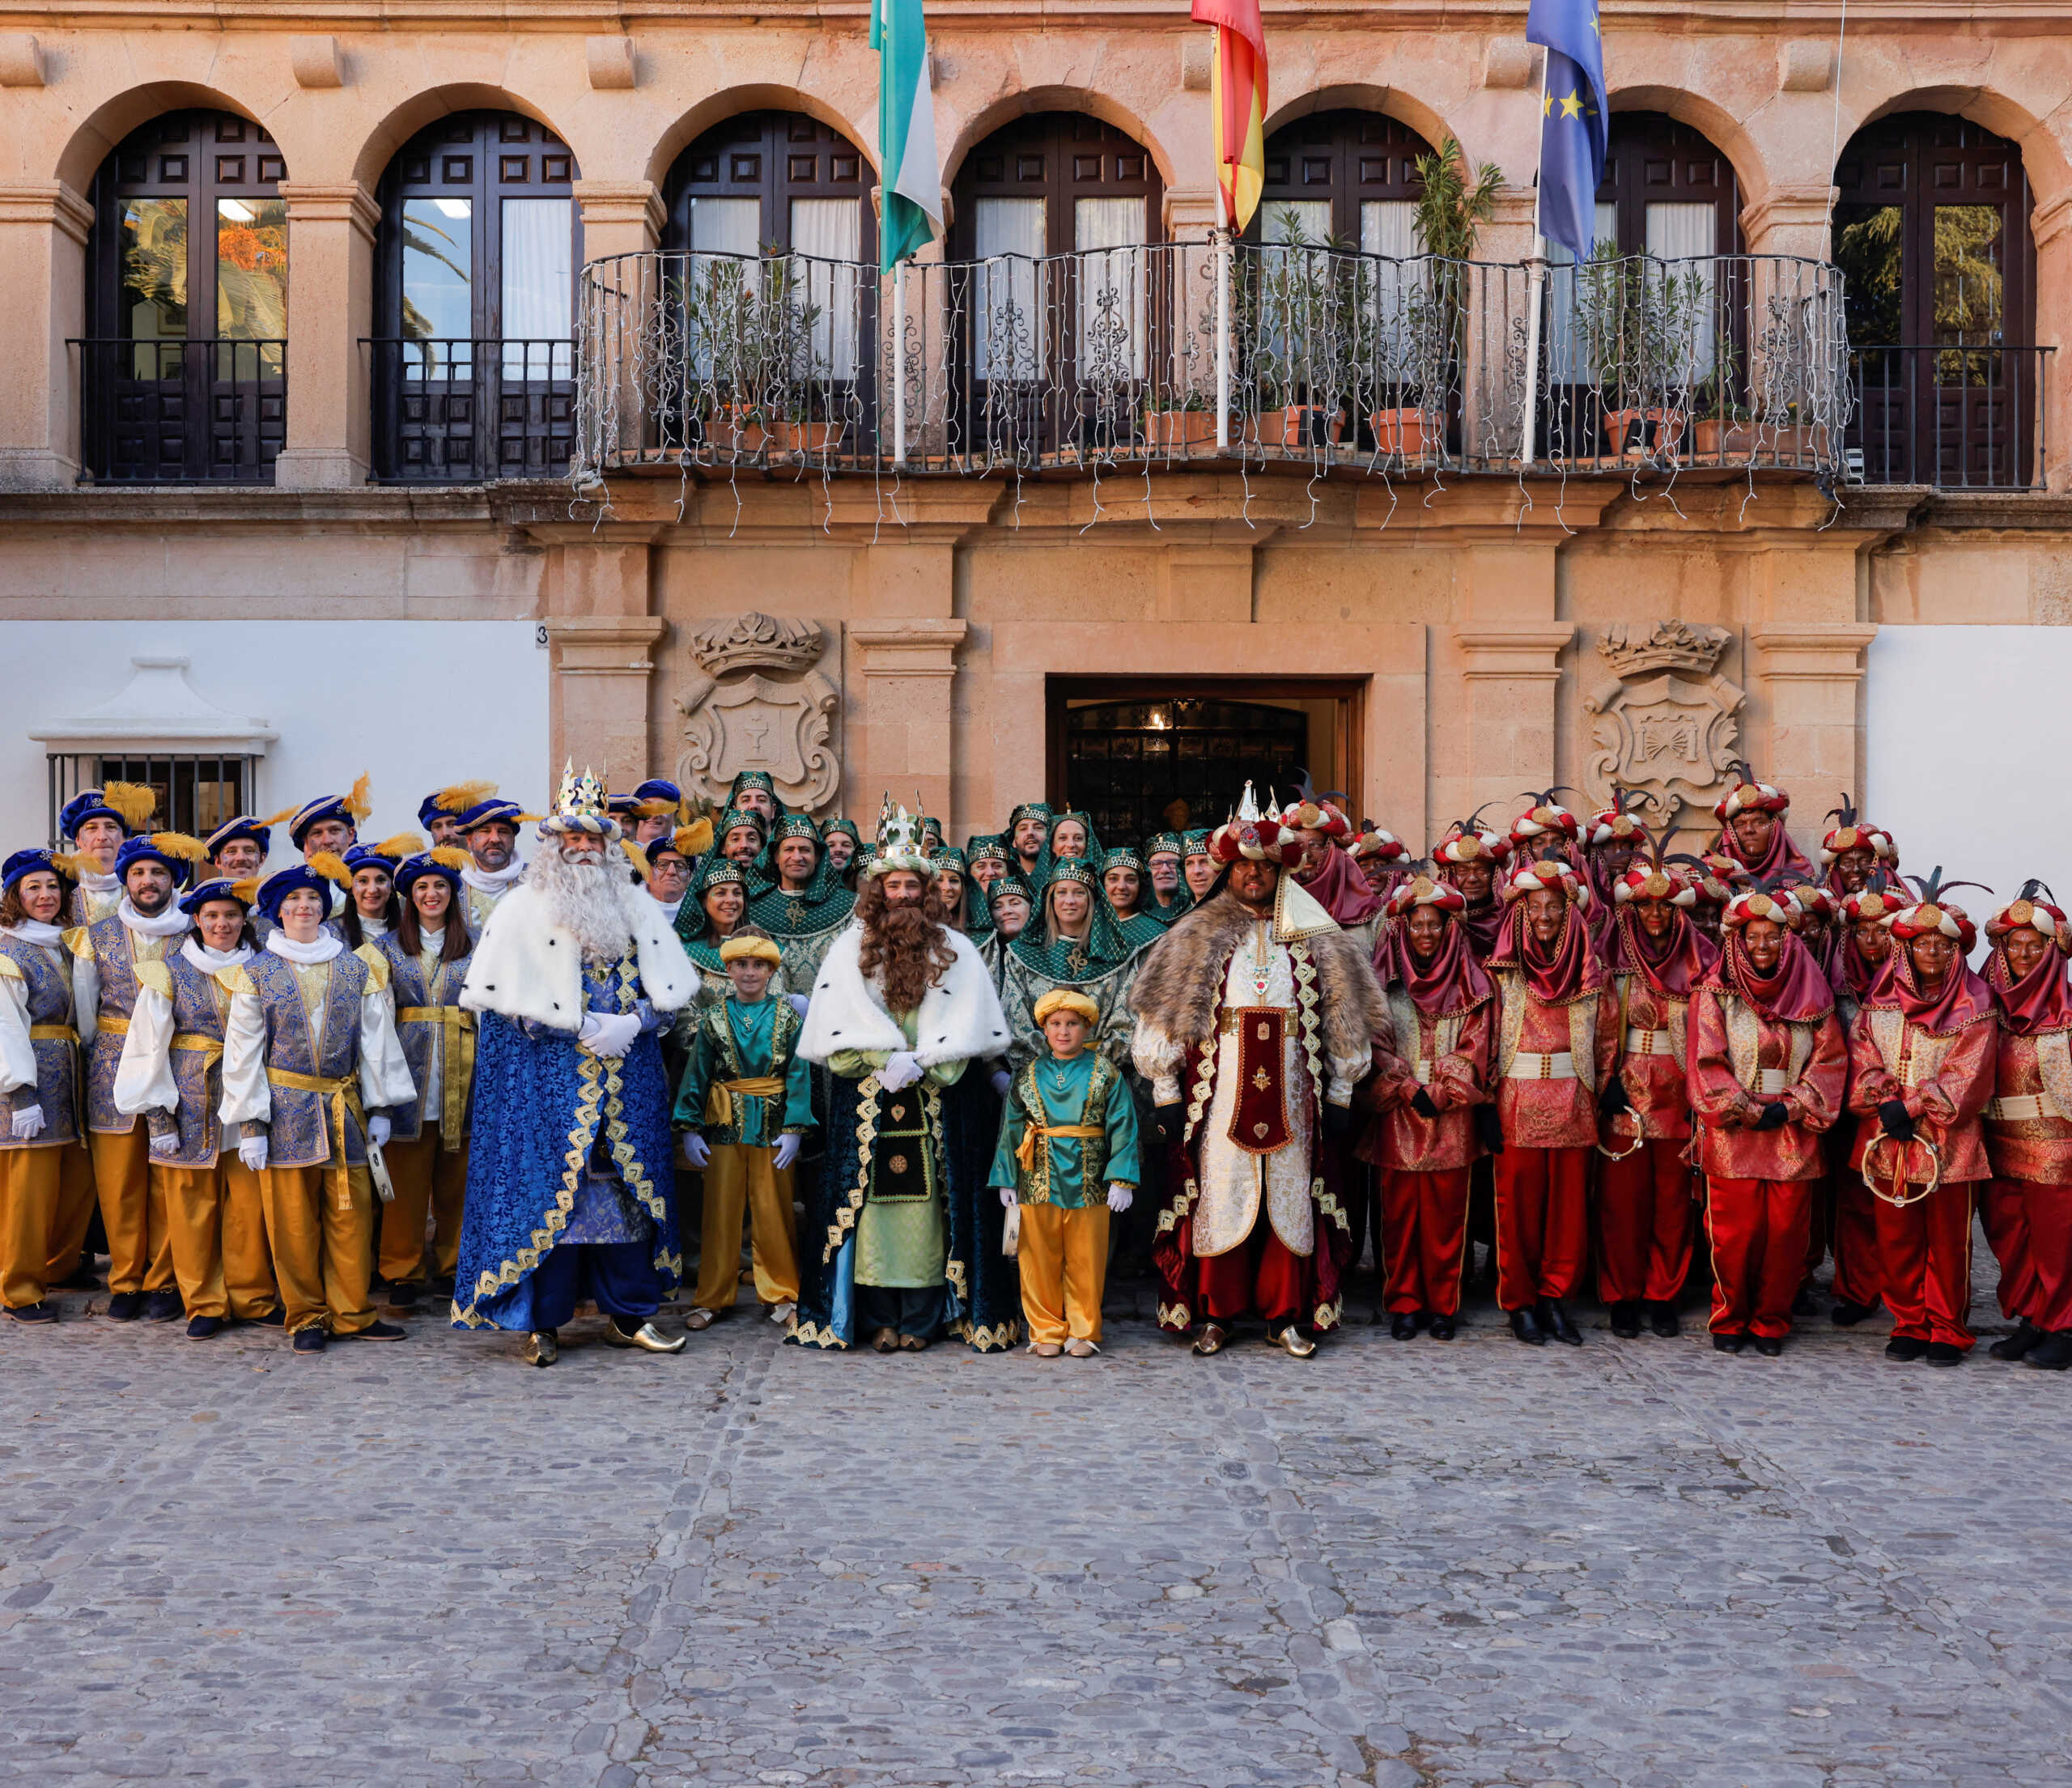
(571, 1194)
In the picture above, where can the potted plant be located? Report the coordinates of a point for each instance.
(1287, 305)
(1635, 322)
(1181, 423)
(748, 330)
(1723, 432)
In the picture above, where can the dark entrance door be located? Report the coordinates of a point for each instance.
(1143, 756)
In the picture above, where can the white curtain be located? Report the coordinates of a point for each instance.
(715, 283)
(538, 285)
(1110, 233)
(829, 231)
(1008, 322)
(1297, 221)
(1387, 227)
(1566, 357)
(1681, 231)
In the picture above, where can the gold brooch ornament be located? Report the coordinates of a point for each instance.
(898, 1164)
(1259, 1131)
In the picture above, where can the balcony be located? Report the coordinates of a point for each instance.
(182, 412)
(465, 411)
(1955, 417)
(1114, 358)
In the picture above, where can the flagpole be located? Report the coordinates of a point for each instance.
(1536, 291)
(899, 367)
(1222, 283)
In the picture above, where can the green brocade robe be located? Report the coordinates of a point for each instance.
(1071, 1172)
(738, 1042)
(902, 1236)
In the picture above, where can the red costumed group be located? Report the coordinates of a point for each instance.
(1608, 1062)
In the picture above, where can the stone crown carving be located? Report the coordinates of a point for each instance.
(756, 642)
(1669, 645)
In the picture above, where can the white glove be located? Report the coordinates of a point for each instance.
(796, 1002)
(788, 1151)
(1120, 1198)
(696, 1150)
(166, 1145)
(252, 1151)
(378, 1129)
(28, 1124)
(1002, 1080)
(902, 1070)
(1007, 1198)
(609, 1034)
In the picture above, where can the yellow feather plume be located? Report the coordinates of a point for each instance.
(638, 857)
(179, 844)
(135, 801)
(695, 839)
(358, 802)
(247, 890)
(72, 866)
(403, 844)
(451, 856)
(282, 817)
(464, 795)
(331, 866)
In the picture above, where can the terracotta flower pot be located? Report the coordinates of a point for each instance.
(1399, 432)
(1177, 430)
(1655, 433)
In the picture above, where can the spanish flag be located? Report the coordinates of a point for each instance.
(1237, 94)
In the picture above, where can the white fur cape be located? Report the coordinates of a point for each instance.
(524, 967)
(959, 1017)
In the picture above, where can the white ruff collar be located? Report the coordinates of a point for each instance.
(34, 931)
(320, 949)
(98, 882)
(169, 924)
(211, 962)
(492, 881)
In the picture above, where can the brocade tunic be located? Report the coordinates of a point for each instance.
(1654, 1043)
(2037, 1149)
(1551, 1113)
(1452, 1058)
(1730, 1046)
(36, 995)
(1944, 1081)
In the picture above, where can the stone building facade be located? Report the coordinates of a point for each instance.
(294, 300)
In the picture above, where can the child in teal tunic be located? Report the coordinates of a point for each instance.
(748, 1104)
(1068, 1129)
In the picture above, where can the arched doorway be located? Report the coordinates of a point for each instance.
(771, 213)
(1055, 303)
(1346, 177)
(185, 366)
(1932, 234)
(475, 260)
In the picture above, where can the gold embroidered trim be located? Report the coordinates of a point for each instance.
(1175, 1316)
(845, 1219)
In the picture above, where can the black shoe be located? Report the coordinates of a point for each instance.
(1728, 1343)
(204, 1328)
(1554, 1319)
(42, 1310)
(1444, 1328)
(1405, 1326)
(83, 1278)
(403, 1295)
(275, 1318)
(2053, 1353)
(1945, 1353)
(1769, 1346)
(1907, 1347)
(165, 1306)
(1803, 1304)
(374, 1331)
(1525, 1326)
(126, 1306)
(2013, 1346)
(1626, 1321)
(1661, 1319)
(1847, 1316)
(310, 1340)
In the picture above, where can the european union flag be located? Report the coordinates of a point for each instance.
(1575, 120)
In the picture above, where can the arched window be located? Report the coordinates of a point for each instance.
(184, 370)
(771, 180)
(1349, 177)
(475, 290)
(1052, 331)
(1932, 235)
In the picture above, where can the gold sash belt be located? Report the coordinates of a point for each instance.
(1025, 1150)
(341, 1094)
(111, 1027)
(456, 1073)
(720, 1098)
(210, 1049)
(53, 1033)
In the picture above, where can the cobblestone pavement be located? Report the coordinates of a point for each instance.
(1639, 1564)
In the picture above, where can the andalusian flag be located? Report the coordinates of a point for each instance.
(910, 175)
(1237, 95)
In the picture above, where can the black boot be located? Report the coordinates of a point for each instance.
(1525, 1326)
(1626, 1320)
(1403, 1326)
(1906, 1347)
(1847, 1316)
(1728, 1343)
(1554, 1319)
(2013, 1346)
(2053, 1353)
(1444, 1327)
(1661, 1319)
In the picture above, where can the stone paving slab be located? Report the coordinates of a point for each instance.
(1468, 1564)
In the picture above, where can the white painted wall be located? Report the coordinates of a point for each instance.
(1965, 734)
(418, 704)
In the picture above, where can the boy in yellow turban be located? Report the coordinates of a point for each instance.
(747, 1103)
(1069, 1128)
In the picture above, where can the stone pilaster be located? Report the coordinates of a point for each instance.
(43, 235)
(330, 311)
(905, 668)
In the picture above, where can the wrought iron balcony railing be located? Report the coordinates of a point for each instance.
(1115, 357)
(182, 412)
(463, 411)
(1958, 418)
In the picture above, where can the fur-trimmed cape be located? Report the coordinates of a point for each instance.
(526, 966)
(1181, 981)
(960, 1016)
